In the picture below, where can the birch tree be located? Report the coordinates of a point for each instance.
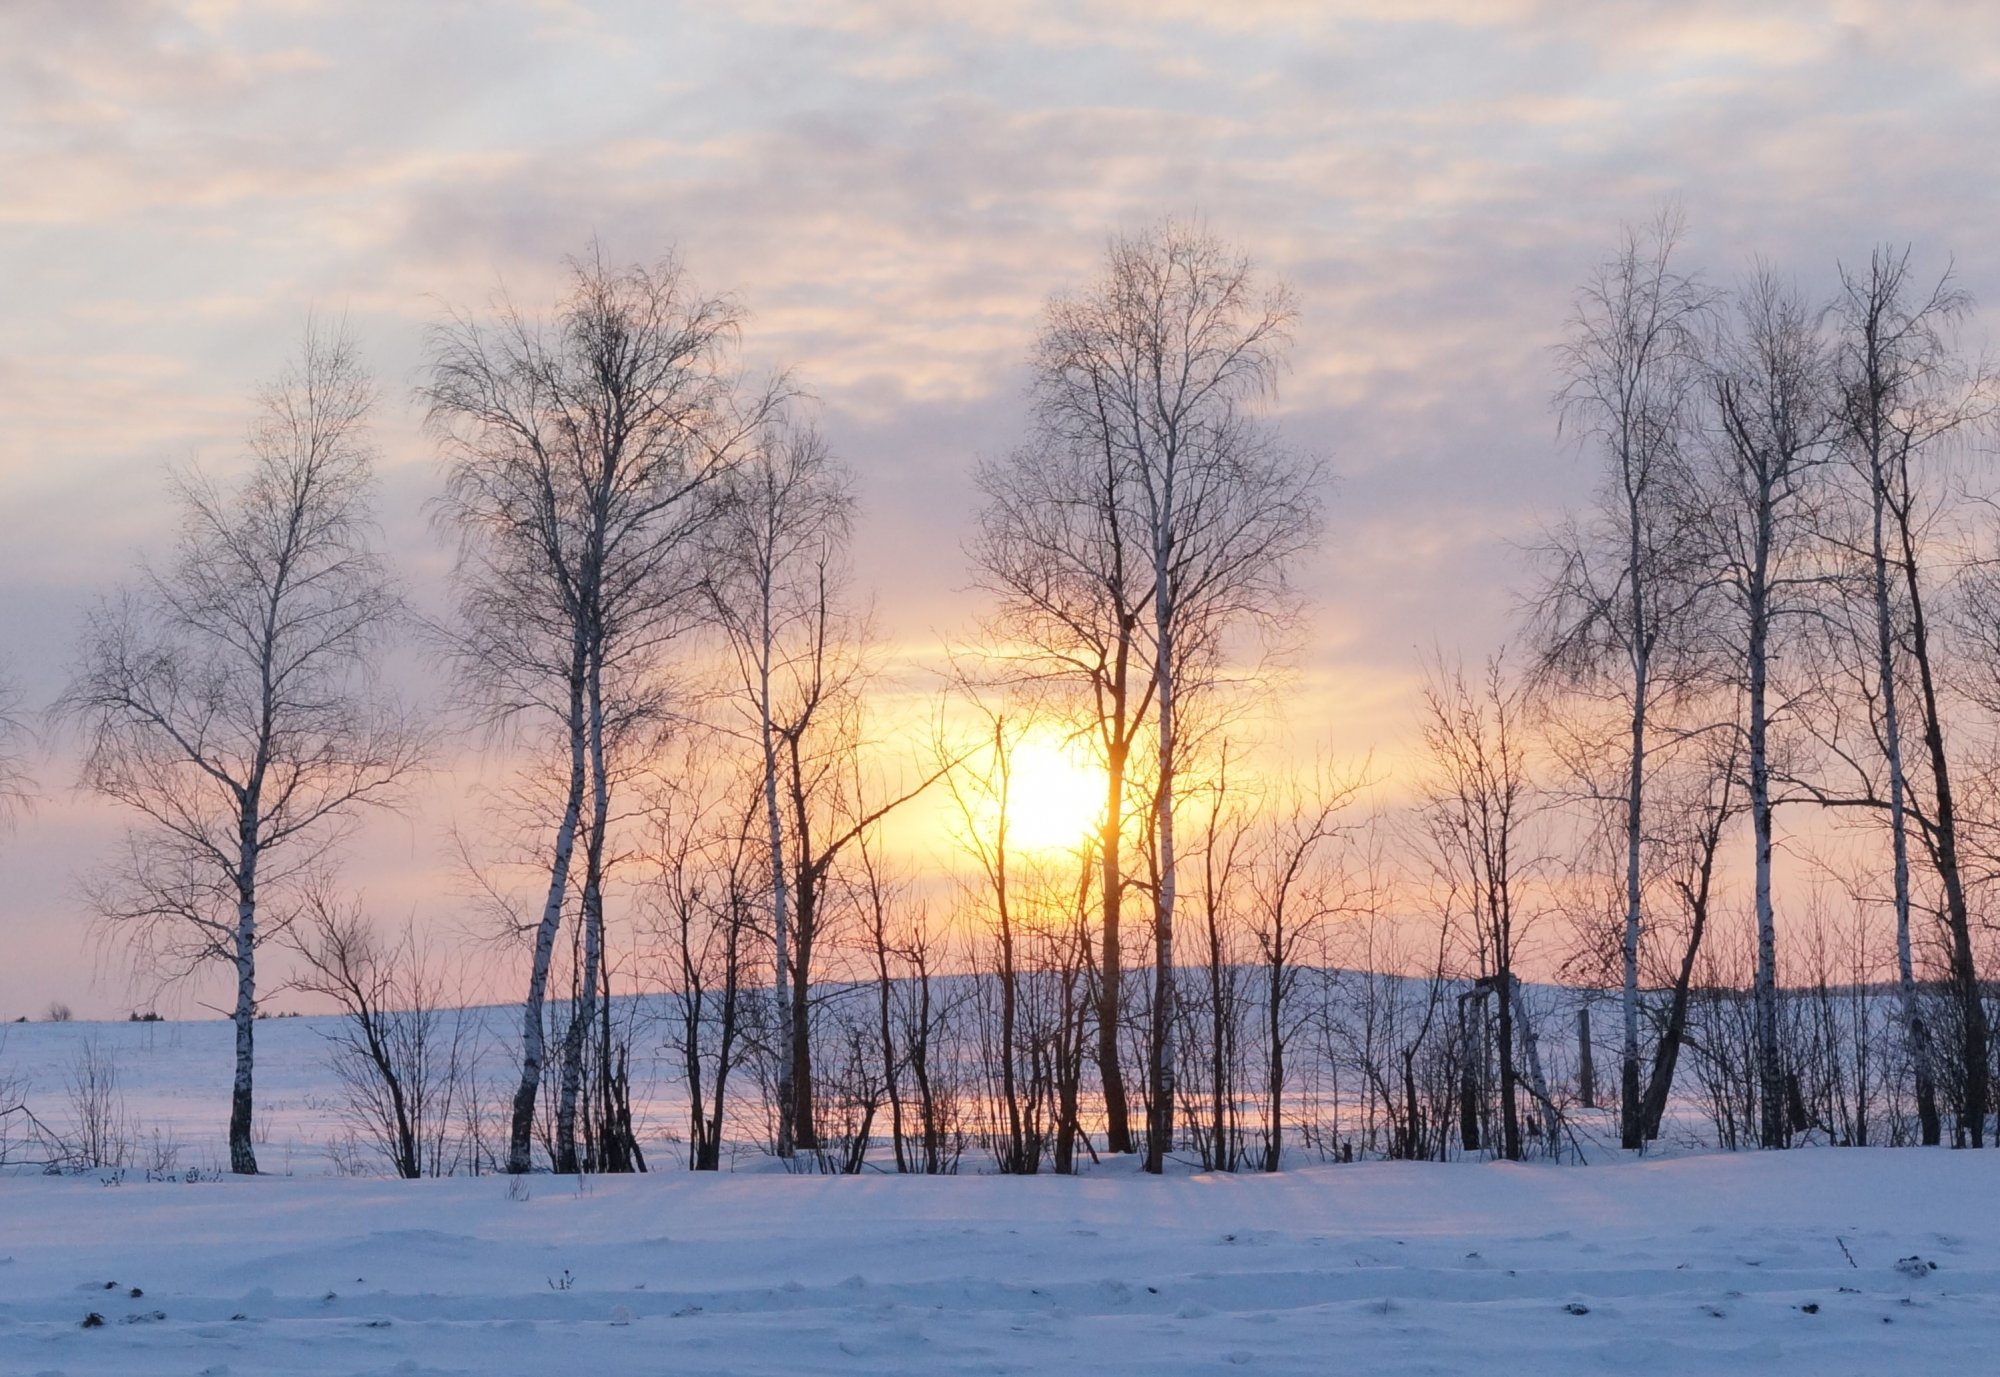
(229, 700)
(1903, 394)
(582, 458)
(777, 584)
(1158, 370)
(1699, 807)
(776, 565)
(1763, 483)
(1059, 550)
(1620, 593)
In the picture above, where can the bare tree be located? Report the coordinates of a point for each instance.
(1156, 370)
(1478, 807)
(985, 805)
(1701, 804)
(1221, 853)
(1902, 394)
(100, 1130)
(583, 458)
(830, 804)
(1060, 549)
(703, 910)
(916, 1016)
(1383, 1015)
(881, 897)
(1000, 900)
(229, 699)
(1294, 890)
(403, 1051)
(777, 566)
(1621, 594)
(17, 785)
(1764, 481)
(20, 1131)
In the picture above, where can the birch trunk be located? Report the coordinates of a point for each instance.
(1531, 1059)
(775, 839)
(534, 1051)
(1160, 1120)
(242, 1150)
(1629, 1115)
(1772, 1118)
(592, 913)
(1117, 1112)
(1637, 571)
(1916, 1036)
(1274, 1151)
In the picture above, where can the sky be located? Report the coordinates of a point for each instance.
(893, 190)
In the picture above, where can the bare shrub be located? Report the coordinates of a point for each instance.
(402, 1055)
(100, 1134)
(163, 1154)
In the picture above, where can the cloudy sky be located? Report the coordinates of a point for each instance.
(893, 190)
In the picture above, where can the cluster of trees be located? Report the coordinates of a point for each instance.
(1774, 600)
(1780, 598)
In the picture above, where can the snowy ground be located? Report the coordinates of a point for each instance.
(1712, 1264)
(1701, 1264)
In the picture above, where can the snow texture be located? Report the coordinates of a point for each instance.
(1713, 1264)
(1821, 1261)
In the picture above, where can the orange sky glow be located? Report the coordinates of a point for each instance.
(893, 190)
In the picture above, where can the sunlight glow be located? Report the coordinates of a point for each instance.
(1055, 793)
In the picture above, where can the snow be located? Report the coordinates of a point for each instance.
(174, 1082)
(1798, 1262)
(1691, 1266)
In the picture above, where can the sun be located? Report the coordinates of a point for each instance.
(1055, 793)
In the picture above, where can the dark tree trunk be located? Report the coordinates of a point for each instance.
(1111, 1075)
(1586, 1068)
(1510, 1122)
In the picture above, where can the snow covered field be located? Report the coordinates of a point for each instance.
(1711, 1264)
(1688, 1264)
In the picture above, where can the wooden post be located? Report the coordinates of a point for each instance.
(1586, 1071)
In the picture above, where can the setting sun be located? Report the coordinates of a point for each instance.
(1055, 793)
